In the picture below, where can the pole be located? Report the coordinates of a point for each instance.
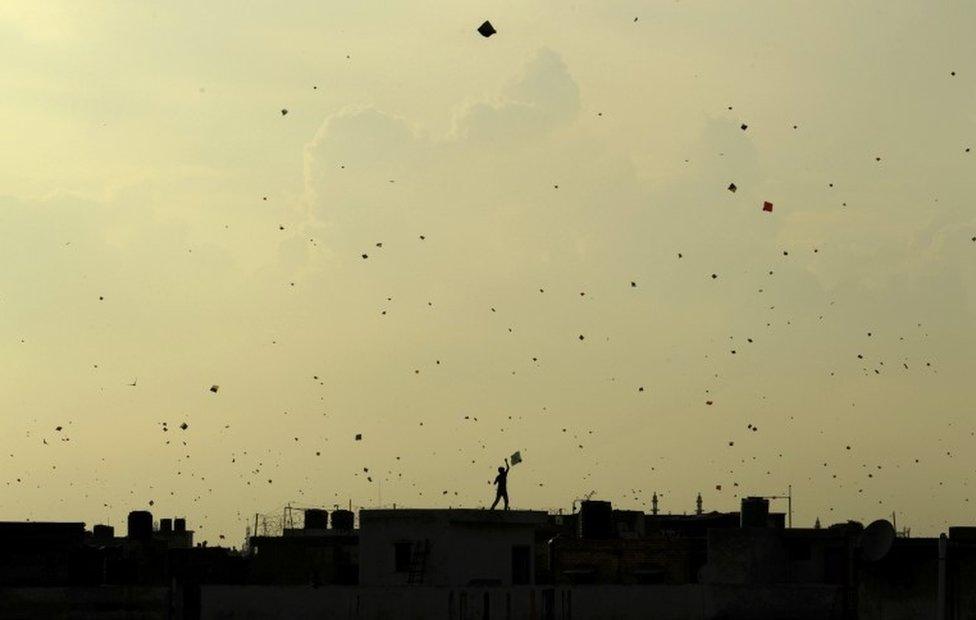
(789, 504)
(941, 601)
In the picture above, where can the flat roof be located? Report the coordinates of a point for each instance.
(457, 515)
(28, 528)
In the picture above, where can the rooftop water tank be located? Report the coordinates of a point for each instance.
(754, 512)
(595, 520)
(316, 519)
(342, 520)
(140, 525)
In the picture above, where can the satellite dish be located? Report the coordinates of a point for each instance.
(876, 540)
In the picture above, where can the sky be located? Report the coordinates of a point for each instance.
(364, 218)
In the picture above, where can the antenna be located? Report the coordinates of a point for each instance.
(287, 518)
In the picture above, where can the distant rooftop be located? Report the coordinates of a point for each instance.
(468, 515)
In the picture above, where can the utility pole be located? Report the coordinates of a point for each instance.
(941, 592)
(789, 505)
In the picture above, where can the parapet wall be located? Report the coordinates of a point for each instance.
(83, 603)
(662, 602)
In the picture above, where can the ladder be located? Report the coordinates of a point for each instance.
(418, 562)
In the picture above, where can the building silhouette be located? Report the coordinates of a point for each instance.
(458, 564)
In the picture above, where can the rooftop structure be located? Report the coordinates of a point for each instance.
(448, 547)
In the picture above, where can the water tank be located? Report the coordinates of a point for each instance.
(342, 520)
(103, 532)
(755, 512)
(140, 525)
(595, 520)
(316, 519)
(165, 526)
(962, 533)
(179, 525)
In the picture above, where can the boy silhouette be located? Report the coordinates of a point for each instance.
(501, 480)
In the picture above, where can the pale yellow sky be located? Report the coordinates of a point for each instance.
(576, 151)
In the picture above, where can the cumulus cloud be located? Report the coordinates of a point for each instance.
(541, 98)
(367, 141)
(371, 174)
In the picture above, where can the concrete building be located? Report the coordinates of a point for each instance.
(475, 564)
(43, 553)
(313, 554)
(448, 547)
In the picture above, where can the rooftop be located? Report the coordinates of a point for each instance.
(458, 515)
